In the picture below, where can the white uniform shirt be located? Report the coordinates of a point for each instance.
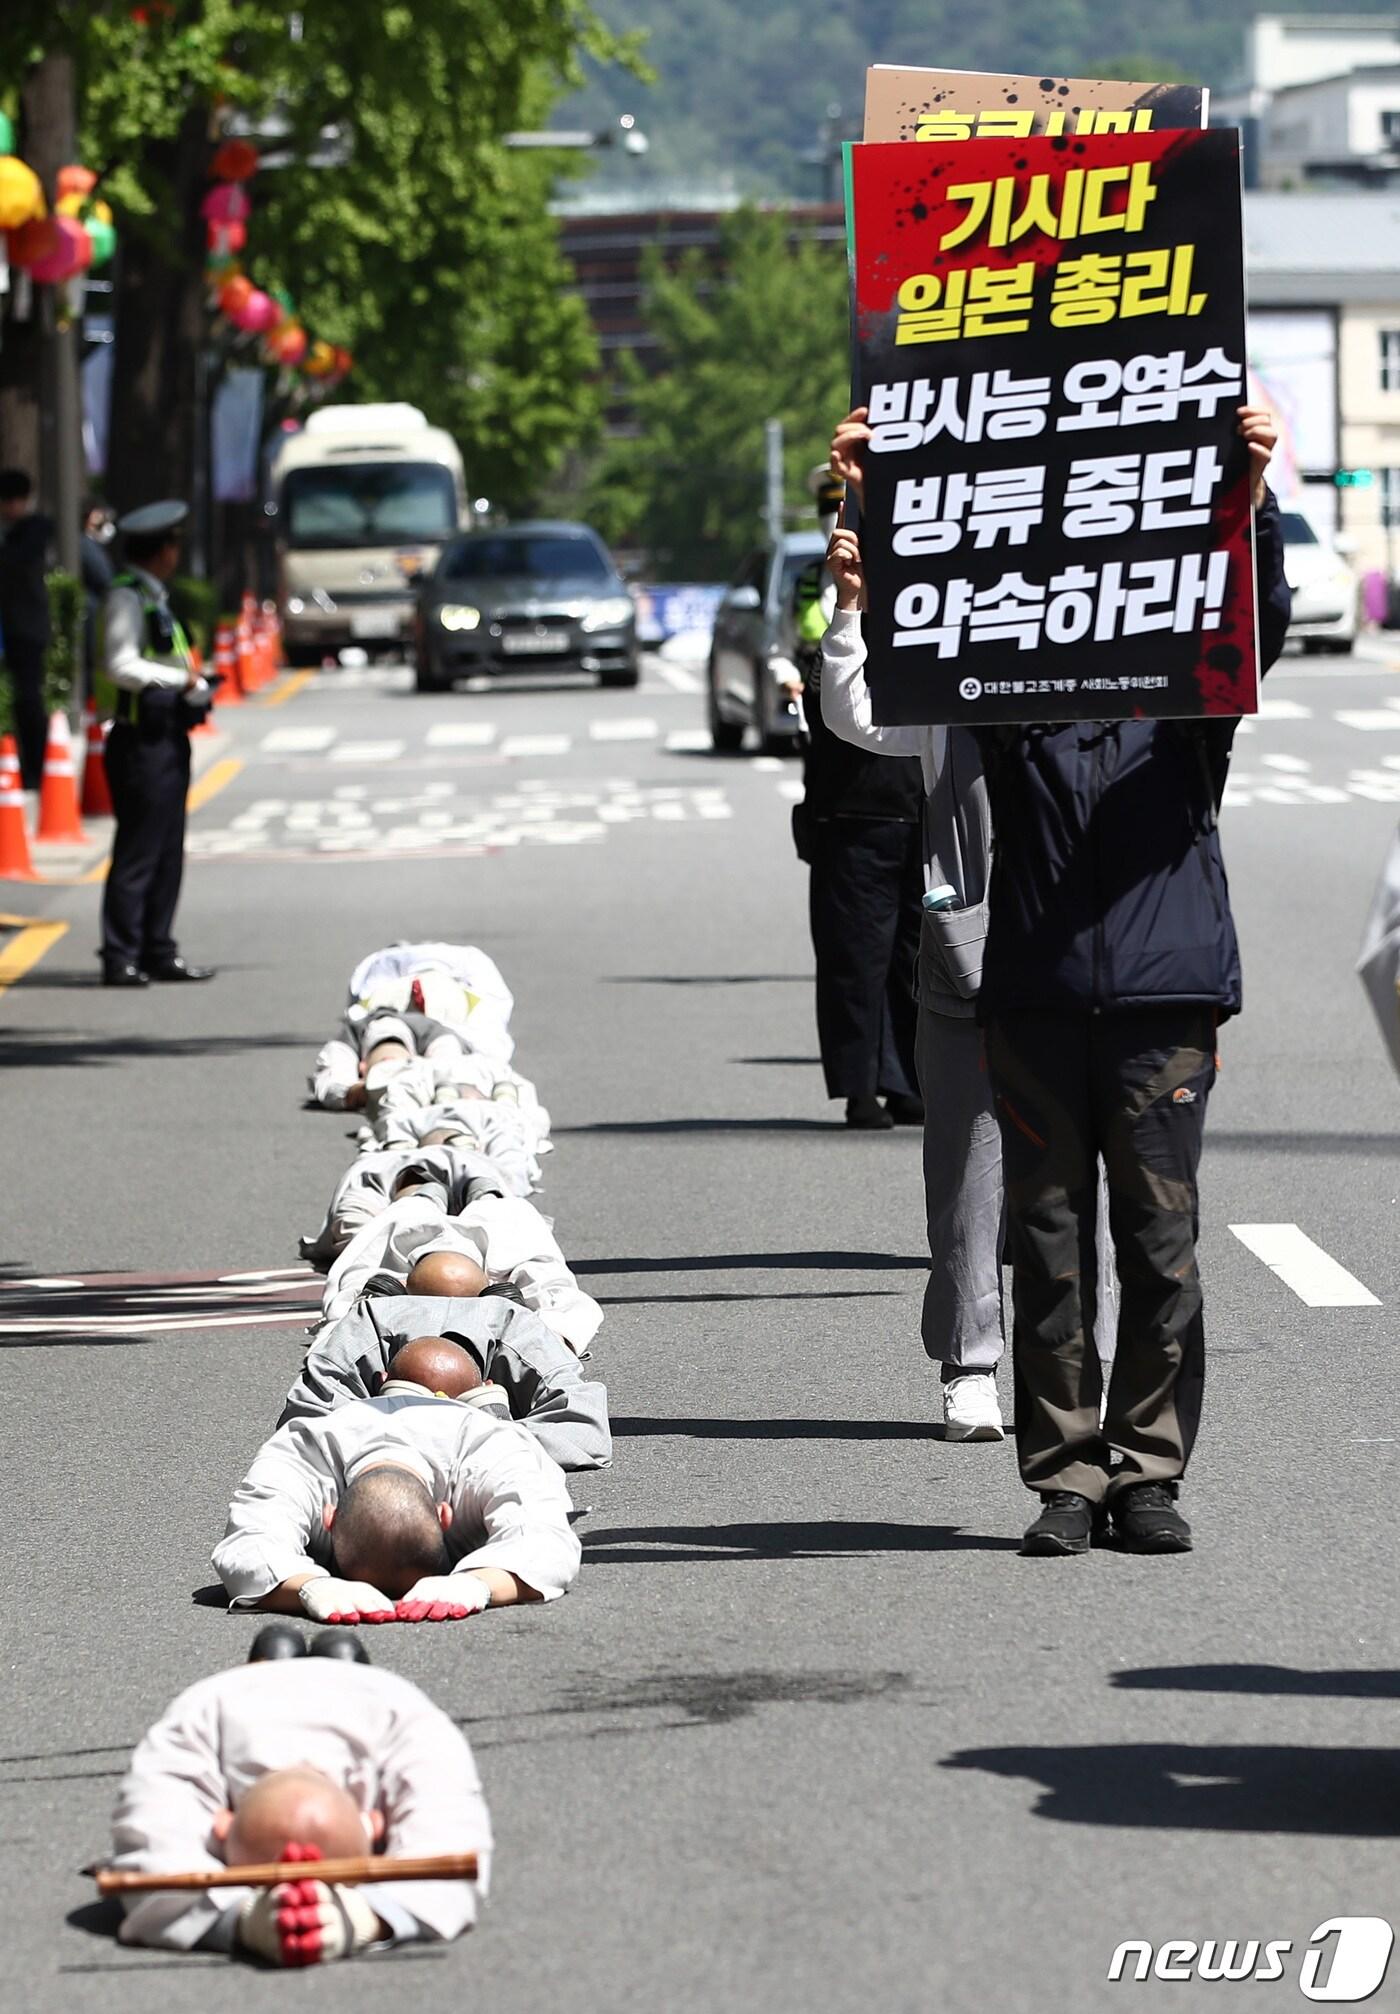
(367, 1730)
(123, 632)
(507, 1237)
(510, 1506)
(502, 1132)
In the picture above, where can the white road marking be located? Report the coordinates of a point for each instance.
(675, 676)
(767, 765)
(1371, 720)
(622, 730)
(1312, 1274)
(536, 744)
(297, 740)
(461, 734)
(1293, 765)
(367, 751)
(689, 741)
(792, 790)
(55, 1282)
(1283, 709)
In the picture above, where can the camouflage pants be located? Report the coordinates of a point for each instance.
(1131, 1087)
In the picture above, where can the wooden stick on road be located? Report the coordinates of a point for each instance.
(270, 1873)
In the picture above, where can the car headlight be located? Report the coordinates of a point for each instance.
(609, 613)
(295, 604)
(455, 615)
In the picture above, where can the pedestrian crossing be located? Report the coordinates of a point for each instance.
(452, 736)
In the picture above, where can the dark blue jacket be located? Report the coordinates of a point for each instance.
(1108, 889)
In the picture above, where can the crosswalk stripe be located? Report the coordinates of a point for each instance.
(461, 734)
(367, 751)
(1283, 709)
(689, 741)
(536, 744)
(1371, 719)
(622, 730)
(297, 740)
(1312, 1274)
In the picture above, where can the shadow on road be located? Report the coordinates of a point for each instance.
(830, 1538)
(67, 1049)
(743, 1262)
(1300, 1143)
(1276, 1681)
(707, 979)
(645, 1425)
(713, 1300)
(835, 1129)
(1341, 1792)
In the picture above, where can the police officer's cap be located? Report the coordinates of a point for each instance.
(828, 489)
(153, 519)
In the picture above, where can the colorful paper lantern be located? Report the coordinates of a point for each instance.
(235, 294)
(21, 193)
(38, 239)
(226, 239)
(258, 314)
(7, 134)
(104, 240)
(235, 161)
(226, 203)
(76, 181)
(286, 344)
(319, 361)
(68, 254)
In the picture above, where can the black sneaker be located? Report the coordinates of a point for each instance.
(274, 1641)
(1147, 1520)
(905, 1111)
(343, 1644)
(1065, 1525)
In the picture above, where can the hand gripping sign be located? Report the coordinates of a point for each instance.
(1050, 341)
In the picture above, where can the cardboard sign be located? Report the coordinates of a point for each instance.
(902, 104)
(1050, 340)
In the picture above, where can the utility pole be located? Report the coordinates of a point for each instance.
(773, 456)
(50, 129)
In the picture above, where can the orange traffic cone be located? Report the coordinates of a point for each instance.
(230, 692)
(15, 864)
(96, 801)
(247, 657)
(58, 790)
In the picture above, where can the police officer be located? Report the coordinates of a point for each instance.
(858, 827)
(160, 697)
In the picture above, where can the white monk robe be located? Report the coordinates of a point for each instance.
(366, 1189)
(509, 1503)
(507, 1237)
(369, 1731)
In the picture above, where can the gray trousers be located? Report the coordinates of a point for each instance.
(963, 1193)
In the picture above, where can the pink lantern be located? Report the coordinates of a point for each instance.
(68, 252)
(226, 239)
(258, 314)
(226, 203)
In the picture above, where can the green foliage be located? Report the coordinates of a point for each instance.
(67, 608)
(428, 251)
(766, 339)
(196, 607)
(743, 90)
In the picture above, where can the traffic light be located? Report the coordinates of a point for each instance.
(1354, 479)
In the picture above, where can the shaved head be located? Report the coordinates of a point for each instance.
(387, 1531)
(447, 1273)
(295, 1804)
(437, 1364)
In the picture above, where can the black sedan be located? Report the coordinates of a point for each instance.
(529, 597)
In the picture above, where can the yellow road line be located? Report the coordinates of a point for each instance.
(293, 682)
(28, 947)
(212, 782)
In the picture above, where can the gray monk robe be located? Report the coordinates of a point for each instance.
(566, 1412)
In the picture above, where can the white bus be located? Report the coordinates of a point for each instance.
(364, 498)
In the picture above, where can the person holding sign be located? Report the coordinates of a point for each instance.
(1110, 959)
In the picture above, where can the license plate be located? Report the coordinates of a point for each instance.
(375, 622)
(521, 643)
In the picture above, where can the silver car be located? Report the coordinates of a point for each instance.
(752, 647)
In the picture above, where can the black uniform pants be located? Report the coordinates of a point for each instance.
(866, 901)
(149, 777)
(1131, 1087)
(24, 660)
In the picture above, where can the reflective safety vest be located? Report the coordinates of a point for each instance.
(163, 640)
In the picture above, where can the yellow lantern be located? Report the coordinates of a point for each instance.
(21, 194)
(84, 207)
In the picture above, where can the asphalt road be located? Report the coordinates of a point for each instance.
(808, 1735)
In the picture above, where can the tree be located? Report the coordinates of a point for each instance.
(426, 250)
(763, 338)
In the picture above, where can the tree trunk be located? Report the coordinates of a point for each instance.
(157, 426)
(26, 405)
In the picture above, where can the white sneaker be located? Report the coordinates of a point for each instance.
(970, 1409)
